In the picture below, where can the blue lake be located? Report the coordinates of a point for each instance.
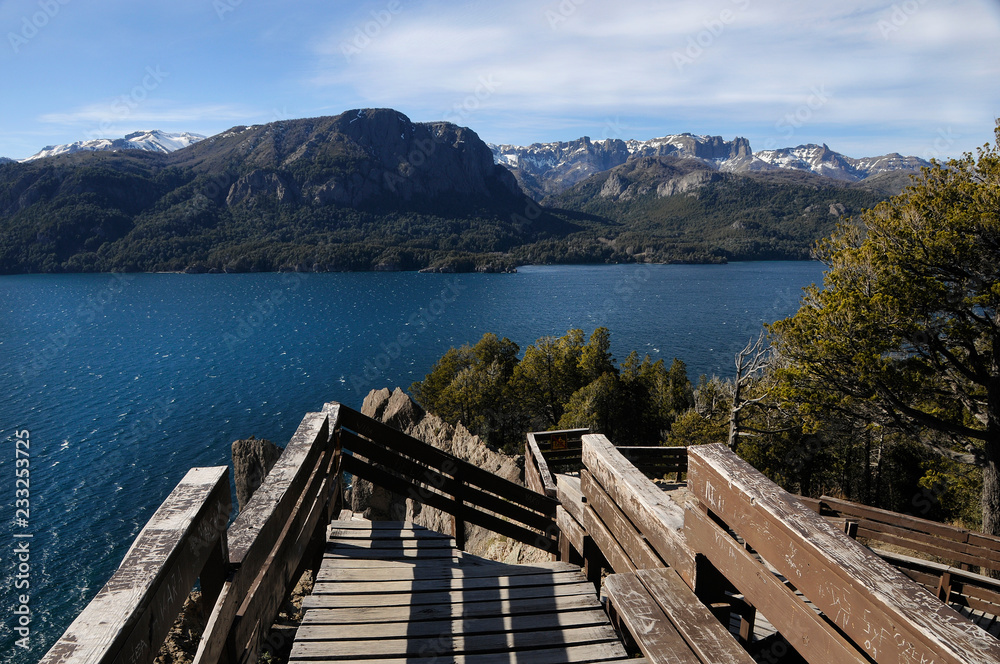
(124, 382)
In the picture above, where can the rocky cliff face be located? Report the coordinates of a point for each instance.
(400, 412)
(664, 176)
(360, 158)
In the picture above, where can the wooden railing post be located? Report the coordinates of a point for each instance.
(268, 542)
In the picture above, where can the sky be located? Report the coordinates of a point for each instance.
(918, 77)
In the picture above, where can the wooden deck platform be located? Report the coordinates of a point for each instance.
(389, 592)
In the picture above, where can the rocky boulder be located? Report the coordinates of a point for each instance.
(253, 459)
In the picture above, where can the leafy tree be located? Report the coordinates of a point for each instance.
(908, 327)
(597, 406)
(471, 385)
(595, 357)
(549, 374)
(707, 420)
(560, 382)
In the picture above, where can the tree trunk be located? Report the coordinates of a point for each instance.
(734, 413)
(991, 461)
(991, 448)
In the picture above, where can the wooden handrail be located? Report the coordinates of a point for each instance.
(130, 617)
(246, 572)
(409, 467)
(400, 442)
(658, 520)
(268, 540)
(537, 475)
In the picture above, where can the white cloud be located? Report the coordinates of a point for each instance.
(127, 111)
(752, 61)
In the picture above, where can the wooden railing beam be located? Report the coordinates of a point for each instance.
(131, 615)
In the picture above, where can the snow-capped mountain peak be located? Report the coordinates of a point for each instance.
(550, 168)
(150, 141)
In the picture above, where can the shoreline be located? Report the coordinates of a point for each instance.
(513, 270)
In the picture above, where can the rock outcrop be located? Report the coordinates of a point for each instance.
(665, 176)
(400, 412)
(253, 459)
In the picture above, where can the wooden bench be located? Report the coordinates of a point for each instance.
(667, 621)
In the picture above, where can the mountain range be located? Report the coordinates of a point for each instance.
(546, 169)
(369, 189)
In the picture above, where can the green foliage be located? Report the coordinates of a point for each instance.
(706, 420)
(560, 382)
(903, 343)
(732, 217)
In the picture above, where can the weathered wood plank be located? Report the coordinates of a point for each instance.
(570, 495)
(639, 552)
(537, 475)
(465, 626)
(571, 529)
(394, 554)
(131, 615)
(341, 563)
(977, 591)
(451, 597)
(447, 645)
(928, 544)
(878, 607)
(812, 635)
(845, 507)
(704, 634)
(555, 654)
(468, 610)
(257, 526)
(605, 541)
(657, 518)
(438, 585)
(653, 632)
(383, 543)
(387, 436)
(411, 573)
(338, 533)
(468, 513)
